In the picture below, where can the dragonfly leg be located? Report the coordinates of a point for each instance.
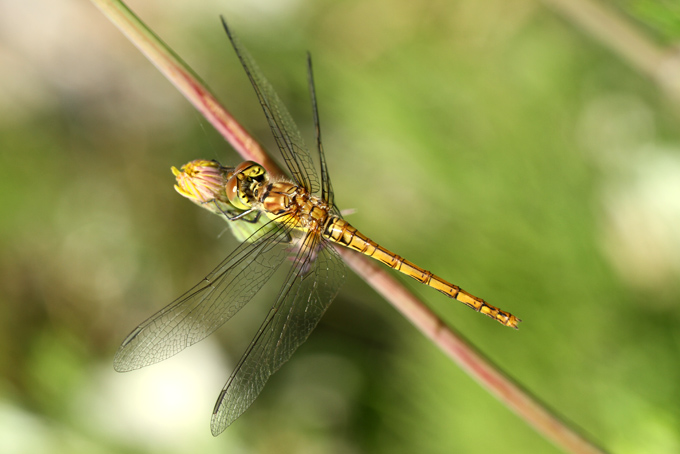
(235, 217)
(255, 219)
(240, 215)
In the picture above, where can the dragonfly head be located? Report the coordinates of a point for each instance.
(246, 184)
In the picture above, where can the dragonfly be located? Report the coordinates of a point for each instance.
(292, 220)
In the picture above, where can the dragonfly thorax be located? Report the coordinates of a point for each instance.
(246, 184)
(289, 203)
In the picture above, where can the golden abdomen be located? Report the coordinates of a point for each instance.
(341, 232)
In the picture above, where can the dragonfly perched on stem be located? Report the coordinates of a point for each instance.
(283, 218)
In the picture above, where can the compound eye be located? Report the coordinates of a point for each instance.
(234, 194)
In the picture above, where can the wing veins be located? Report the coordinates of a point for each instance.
(301, 303)
(326, 187)
(283, 127)
(178, 325)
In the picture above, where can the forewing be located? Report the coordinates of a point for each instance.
(326, 186)
(286, 133)
(309, 290)
(209, 304)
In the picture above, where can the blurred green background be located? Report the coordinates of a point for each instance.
(492, 142)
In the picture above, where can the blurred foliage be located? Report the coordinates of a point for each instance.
(662, 17)
(487, 141)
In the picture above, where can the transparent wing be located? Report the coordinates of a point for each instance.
(283, 127)
(311, 286)
(326, 186)
(209, 304)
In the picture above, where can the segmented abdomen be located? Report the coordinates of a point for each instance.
(341, 232)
